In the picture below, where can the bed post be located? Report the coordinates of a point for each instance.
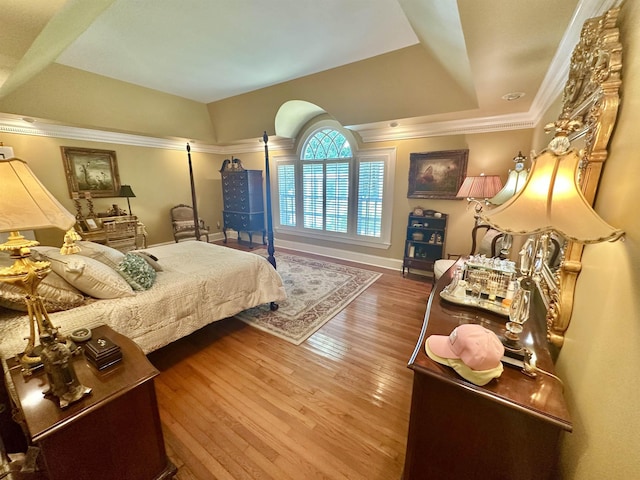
(270, 247)
(196, 218)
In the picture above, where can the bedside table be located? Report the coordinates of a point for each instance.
(113, 433)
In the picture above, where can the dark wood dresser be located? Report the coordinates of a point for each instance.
(242, 200)
(115, 432)
(509, 429)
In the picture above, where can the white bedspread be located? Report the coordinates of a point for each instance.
(201, 283)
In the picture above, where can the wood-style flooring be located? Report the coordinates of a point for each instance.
(238, 403)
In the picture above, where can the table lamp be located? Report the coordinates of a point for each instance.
(477, 188)
(27, 205)
(125, 191)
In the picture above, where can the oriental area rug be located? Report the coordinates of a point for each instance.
(316, 291)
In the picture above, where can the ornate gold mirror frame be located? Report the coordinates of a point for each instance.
(591, 95)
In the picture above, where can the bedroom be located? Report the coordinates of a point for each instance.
(602, 443)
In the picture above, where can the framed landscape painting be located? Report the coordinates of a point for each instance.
(437, 174)
(91, 171)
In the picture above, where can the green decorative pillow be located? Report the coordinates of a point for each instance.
(137, 272)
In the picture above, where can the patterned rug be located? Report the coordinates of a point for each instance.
(316, 292)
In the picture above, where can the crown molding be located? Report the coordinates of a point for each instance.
(17, 125)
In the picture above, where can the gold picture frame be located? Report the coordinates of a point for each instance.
(91, 171)
(437, 174)
(90, 225)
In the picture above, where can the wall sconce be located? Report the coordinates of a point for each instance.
(551, 199)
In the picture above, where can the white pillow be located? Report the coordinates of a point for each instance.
(103, 253)
(88, 275)
(56, 293)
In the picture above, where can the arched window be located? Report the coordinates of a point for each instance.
(332, 192)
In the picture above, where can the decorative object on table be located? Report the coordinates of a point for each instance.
(127, 192)
(62, 378)
(472, 350)
(486, 284)
(316, 291)
(115, 211)
(102, 352)
(437, 174)
(28, 206)
(91, 171)
(90, 224)
(69, 247)
(418, 212)
(81, 335)
(518, 314)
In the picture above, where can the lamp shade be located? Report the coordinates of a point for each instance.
(483, 186)
(552, 200)
(515, 182)
(125, 191)
(25, 203)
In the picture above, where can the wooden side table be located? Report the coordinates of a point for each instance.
(113, 433)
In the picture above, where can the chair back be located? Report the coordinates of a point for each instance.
(486, 241)
(183, 225)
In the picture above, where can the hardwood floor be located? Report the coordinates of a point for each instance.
(238, 403)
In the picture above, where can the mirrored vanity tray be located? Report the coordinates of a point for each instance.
(494, 306)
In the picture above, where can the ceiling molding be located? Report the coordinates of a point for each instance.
(19, 126)
(550, 89)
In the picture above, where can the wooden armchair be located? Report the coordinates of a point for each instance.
(183, 226)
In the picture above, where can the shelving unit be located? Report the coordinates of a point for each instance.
(425, 242)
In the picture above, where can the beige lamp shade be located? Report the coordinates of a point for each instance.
(25, 204)
(482, 186)
(515, 182)
(551, 200)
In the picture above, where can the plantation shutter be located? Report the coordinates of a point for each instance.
(287, 195)
(370, 191)
(337, 197)
(313, 195)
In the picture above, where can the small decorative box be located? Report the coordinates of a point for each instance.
(102, 352)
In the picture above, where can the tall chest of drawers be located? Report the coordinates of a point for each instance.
(242, 200)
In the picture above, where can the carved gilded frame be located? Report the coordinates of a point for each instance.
(591, 95)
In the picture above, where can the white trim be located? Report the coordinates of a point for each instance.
(363, 258)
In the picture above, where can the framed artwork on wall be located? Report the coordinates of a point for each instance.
(437, 174)
(91, 171)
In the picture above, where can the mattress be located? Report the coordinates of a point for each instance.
(200, 283)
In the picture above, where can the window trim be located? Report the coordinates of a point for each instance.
(386, 154)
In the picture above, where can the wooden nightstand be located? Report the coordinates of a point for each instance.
(113, 433)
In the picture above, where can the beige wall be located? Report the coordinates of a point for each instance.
(159, 178)
(370, 90)
(489, 153)
(601, 356)
(73, 97)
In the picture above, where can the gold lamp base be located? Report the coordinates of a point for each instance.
(27, 274)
